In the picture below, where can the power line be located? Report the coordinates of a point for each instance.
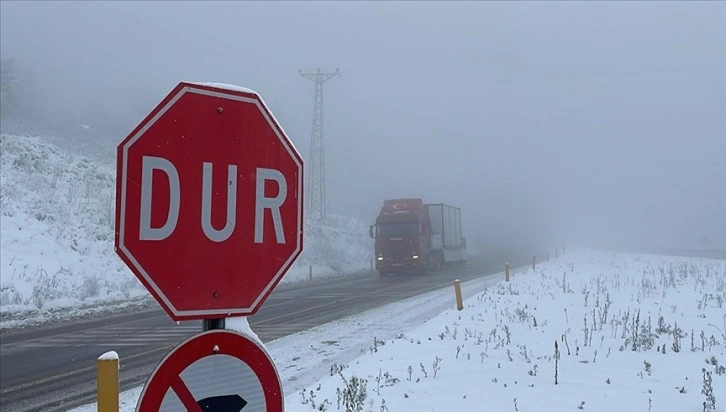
(700, 69)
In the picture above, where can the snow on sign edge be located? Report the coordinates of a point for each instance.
(224, 86)
(240, 325)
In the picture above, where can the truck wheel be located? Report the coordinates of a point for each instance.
(423, 271)
(433, 264)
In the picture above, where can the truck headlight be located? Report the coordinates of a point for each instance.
(380, 258)
(414, 257)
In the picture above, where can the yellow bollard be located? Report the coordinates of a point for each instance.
(457, 292)
(107, 382)
(534, 261)
(506, 272)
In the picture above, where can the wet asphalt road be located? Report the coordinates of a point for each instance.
(53, 369)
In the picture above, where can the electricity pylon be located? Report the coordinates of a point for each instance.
(316, 175)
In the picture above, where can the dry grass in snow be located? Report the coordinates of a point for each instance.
(589, 331)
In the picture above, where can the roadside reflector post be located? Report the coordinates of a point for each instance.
(107, 382)
(548, 255)
(310, 272)
(371, 265)
(557, 252)
(457, 292)
(506, 272)
(534, 261)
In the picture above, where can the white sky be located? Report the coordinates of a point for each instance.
(579, 120)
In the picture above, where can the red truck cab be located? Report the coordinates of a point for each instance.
(402, 236)
(413, 236)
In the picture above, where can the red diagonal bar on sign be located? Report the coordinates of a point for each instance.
(186, 397)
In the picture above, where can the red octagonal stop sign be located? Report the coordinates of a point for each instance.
(209, 202)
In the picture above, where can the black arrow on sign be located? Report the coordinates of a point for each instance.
(223, 403)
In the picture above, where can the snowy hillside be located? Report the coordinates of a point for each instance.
(56, 237)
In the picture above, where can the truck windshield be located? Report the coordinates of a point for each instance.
(398, 229)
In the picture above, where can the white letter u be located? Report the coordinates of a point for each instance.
(212, 233)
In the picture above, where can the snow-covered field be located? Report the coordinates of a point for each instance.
(596, 331)
(593, 331)
(56, 238)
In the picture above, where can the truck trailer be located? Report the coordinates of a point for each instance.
(413, 236)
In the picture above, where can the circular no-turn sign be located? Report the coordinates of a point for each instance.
(216, 370)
